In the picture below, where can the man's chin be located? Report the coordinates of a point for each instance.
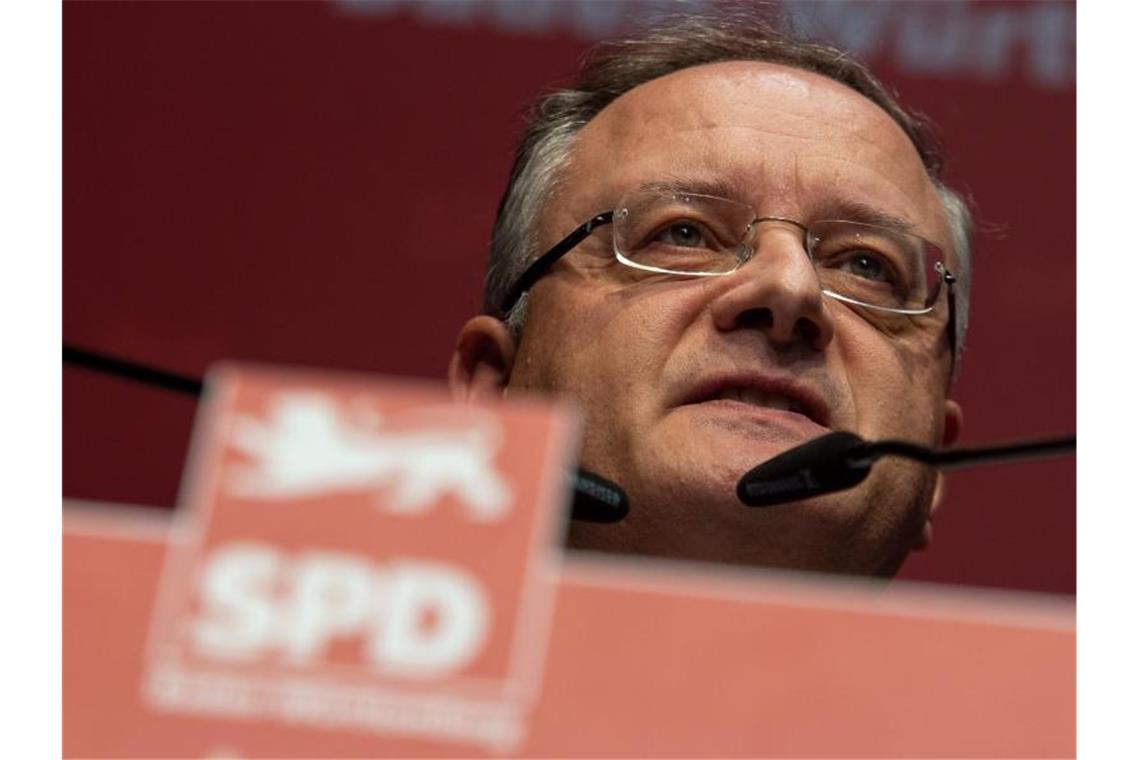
(688, 509)
(681, 482)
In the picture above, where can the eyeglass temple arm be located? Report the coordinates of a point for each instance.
(540, 265)
(952, 318)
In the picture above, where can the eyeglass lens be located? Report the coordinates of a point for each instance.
(692, 234)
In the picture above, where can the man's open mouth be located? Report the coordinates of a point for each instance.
(764, 392)
(756, 397)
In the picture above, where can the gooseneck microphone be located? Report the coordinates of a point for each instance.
(838, 461)
(129, 370)
(595, 498)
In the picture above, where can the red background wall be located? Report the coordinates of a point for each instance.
(315, 184)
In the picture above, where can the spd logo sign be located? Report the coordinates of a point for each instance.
(362, 557)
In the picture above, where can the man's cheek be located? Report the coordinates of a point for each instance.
(910, 413)
(890, 400)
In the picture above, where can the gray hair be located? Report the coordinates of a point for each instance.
(616, 67)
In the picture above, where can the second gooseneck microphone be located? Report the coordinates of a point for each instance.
(840, 460)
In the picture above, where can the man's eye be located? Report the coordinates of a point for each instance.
(682, 235)
(866, 265)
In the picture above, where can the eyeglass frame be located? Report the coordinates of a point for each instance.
(538, 268)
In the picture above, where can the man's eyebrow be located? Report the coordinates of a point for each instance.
(846, 209)
(850, 210)
(718, 187)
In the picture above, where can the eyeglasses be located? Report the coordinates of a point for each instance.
(694, 235)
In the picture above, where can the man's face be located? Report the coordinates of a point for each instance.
(687, 383)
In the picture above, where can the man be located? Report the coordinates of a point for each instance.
(752, 247)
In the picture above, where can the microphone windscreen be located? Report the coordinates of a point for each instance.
(597, 499)
(820, 466)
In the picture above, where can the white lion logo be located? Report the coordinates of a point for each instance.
(310, 446)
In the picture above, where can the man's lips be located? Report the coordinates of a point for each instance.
(762, 391)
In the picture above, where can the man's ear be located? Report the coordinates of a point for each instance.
(481, 364)
(951, 430)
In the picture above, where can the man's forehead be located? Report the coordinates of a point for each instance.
(775, 96)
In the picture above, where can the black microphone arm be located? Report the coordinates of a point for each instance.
(595, 498)
(840, 460)
(130, 370)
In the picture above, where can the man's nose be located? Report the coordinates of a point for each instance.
(777, 292)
